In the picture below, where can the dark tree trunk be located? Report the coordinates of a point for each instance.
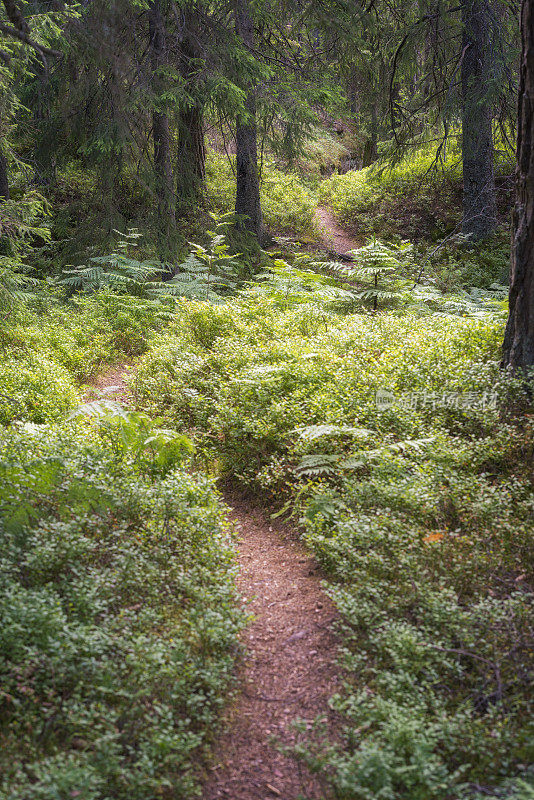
(479, 206)
(45, 160)
(160, 122)
(370, 150)
(247, 201)
(4, 176)
(191, 167)
(518, 349)
(191, 172)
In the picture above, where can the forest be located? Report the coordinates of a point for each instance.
(266, 415)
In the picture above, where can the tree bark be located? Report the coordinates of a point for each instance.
(370, 150)
(160, 122)
(247, 201)
(191, 168)
(518, 348)
(45, 160)
(4, 176)
(479, 205)
(191, 172)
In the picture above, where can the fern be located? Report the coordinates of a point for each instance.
(211, 272)
(98, 409)
(334, 463)
(319, 464)
(16, 285)
(120, 273)
(311, 432)
(116, 271)
(377, 263)
(291, 285)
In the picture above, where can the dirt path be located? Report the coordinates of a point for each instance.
(110, 384)
(289, 670)
(336, 238)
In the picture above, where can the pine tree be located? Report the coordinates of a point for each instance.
(160, 122)
(479, 205)
(518, 349)
(247, 204)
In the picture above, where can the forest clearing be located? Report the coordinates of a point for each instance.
(266, 416)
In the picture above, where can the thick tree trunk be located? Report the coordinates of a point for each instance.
(4, 173)
(479, 206)
(518, 349)
(192, 151)
(191, 167)
(160, 122)
(191, 172)
(247, 201)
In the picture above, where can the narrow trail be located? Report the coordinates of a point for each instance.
(336, 238)
(289, 670)
(290, 665)
(109, 384)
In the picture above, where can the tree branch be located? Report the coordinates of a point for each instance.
(23, 37)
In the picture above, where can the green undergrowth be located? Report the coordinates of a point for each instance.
(49, 346)
(415, 198)
(119, 618)
(391, 438)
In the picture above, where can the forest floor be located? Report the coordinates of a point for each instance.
(290, 663)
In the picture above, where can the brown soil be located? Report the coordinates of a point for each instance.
(289, 670)
(110, 385)
(336, 238)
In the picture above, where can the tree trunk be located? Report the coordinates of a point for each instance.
(247, 201)
(45, 161)
(191, 168)
(370, 150)
(160, 122)
(479, 206)
(191, 171)
(518, 348)
(4, 176)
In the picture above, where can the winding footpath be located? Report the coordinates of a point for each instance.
(290, 666)
(337, 239)
(289, 669)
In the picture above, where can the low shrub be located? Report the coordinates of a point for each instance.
(254, 375)
(82, 336)
(433, 554)
(118, 617)
(34, 388)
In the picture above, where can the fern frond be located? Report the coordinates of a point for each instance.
(311, 432)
